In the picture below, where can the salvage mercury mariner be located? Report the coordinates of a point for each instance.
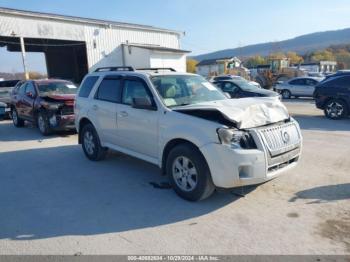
(198, 137)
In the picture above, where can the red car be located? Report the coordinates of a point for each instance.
(49, 104)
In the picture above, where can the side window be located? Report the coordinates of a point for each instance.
(133, 89)
(297, 82)
(109, 90)
(22, 89)
(87, 86)
(310, 82)
(30, 88)
(229, 87)
(217, 84)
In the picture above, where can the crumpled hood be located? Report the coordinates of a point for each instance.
(62, 97)
(67, 99)
(245, 112)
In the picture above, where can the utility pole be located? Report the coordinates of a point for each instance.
(23, 51)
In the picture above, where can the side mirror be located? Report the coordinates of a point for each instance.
(143, 103)
(30, 94)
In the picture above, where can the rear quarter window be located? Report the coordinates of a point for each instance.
(87, 85)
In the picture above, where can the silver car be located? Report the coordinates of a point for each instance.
(300, 86)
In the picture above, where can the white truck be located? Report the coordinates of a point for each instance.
(182, 123)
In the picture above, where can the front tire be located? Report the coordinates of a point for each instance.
(17, 121)
(43, 124)
(189, 173)
(286, 94)
(91, 144)
(336, 109)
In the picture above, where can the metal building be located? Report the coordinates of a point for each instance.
(74, 45)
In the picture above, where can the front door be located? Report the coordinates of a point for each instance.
(137, 128)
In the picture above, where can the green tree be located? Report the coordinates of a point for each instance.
(278, 55)
(191, 65)
(343, 58)
(324, 55)
(255, 61)
(294, 58)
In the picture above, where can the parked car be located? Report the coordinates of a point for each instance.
(333, 96)
(187, 127)
(298, 87)
(338, 73)
(47, 103)
(2, 110)
(5, 90)
(240, 89)
(233, 77)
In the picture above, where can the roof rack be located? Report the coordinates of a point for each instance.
(157, 69)
(115, 68)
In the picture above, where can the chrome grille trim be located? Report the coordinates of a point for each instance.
(280, 138)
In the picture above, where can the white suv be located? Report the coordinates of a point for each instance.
(198, 137)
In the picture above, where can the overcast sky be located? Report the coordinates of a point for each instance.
(209, 25)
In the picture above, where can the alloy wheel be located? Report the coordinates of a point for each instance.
(185, 173)
(335, 109)
(41, 123)
(89, 143)
(15, 117)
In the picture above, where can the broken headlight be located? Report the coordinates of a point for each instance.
(236, 138)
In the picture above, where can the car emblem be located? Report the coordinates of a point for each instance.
(285, 136)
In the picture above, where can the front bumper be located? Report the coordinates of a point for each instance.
(62, 122)
(240, 167)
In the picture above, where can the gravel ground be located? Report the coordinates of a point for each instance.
(54, 201)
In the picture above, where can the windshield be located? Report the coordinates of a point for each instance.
(56, 88)
(181, 90)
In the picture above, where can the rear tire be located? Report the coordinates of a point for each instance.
(336, 109)
(189, 173)
(91, 143)
(286, 94)
(17, 121)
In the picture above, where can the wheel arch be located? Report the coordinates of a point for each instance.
(336, 98)
(84, 121)
(170, 145)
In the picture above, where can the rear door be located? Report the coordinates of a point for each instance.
(309, 87)
(103, 110)
(137, 128)
(342, 87)
(28, 100)
(18, 99)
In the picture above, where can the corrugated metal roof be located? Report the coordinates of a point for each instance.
(158, 48)
(83, 20)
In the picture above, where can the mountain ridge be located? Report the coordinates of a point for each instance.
(300, 44)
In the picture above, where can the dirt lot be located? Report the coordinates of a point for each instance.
(54, 201)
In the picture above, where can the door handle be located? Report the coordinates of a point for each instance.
(95, 107)
(123, 114)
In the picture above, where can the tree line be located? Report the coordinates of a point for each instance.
(338, 53)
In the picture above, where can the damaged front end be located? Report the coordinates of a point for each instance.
(60, 114)
(242, 113)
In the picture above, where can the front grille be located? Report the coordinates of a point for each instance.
(281, 138)
(281, 165)
(67, 110)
